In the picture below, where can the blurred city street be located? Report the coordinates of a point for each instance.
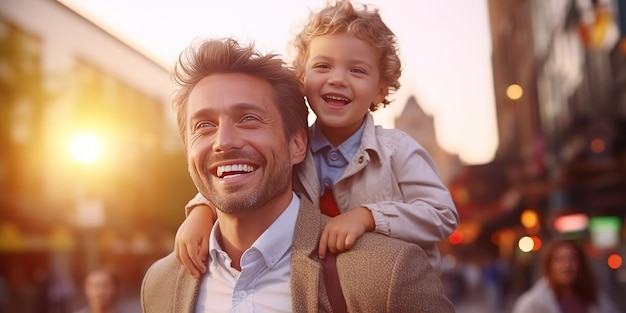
(473, 306)
(93, 171)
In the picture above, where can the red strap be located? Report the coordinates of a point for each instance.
(328, 205)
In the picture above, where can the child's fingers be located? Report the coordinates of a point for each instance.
(204, 249)
(349, 241)
(189, 264)
(177, 253)
(323, 245)
(345, 241)
(195, 253)
(340, 245)
(332, 242)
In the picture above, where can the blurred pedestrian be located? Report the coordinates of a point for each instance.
(567, 285)
(495, 275)
(102, 288)
(60, 286)
(4, 295)
(41, 284)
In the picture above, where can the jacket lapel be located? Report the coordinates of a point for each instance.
(305, 266)
(306, 179)
(186, 291)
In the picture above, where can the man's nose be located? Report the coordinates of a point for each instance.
(227, 137)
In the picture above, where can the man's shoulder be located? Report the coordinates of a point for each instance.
(163, 285)
(382, 253)
(166, 263)
(166, 268)
(390, 275)
(379, 244)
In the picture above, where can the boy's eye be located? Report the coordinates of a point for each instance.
(358, 70)
(321, 65)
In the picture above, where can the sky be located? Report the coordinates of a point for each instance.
(445, 48)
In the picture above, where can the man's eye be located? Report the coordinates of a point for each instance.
(250, 118)
(204, 125)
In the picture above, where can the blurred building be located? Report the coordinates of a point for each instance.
(419, 125)
(559, 71)
(62, 77)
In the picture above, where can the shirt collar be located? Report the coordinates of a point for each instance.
(348, 148)
(317, 138)
(273, 243)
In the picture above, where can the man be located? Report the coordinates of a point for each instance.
(102, 286)
(243, 120)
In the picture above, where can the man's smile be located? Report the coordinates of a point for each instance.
(233, 170)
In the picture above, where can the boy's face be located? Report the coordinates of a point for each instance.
(237, 152)
(341, 81)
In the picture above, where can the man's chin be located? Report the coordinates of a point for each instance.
(234, 205)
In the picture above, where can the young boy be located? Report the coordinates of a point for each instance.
(367, 177)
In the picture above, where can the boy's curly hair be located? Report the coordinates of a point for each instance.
(364, 23)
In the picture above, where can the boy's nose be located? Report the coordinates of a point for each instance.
(337, 79)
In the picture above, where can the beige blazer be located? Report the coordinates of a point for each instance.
(379, 274)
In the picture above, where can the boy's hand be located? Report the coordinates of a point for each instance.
(192, 240)
(342, 231)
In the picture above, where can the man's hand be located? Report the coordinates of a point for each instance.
(192, 240)
(342, 231)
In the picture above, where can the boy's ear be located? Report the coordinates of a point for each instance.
(383, 91)
(298, 146)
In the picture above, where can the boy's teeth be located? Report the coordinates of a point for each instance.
(336, 98)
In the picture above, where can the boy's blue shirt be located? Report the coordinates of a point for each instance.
(331, 162)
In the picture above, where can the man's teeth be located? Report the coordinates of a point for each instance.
(224, 170)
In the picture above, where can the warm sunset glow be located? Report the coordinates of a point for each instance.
(86, 148)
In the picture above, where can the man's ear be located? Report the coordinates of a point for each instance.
(298, 146)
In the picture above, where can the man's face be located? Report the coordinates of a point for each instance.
(100, 290)
(237, 153)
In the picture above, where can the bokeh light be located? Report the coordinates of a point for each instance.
(529, 218)
(571, 223)
(514, 92)
(86, 148)
(614, 261)
(525, 244)
(456, 237)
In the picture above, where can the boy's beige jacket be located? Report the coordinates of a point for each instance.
(379, 274)
(394, 177)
